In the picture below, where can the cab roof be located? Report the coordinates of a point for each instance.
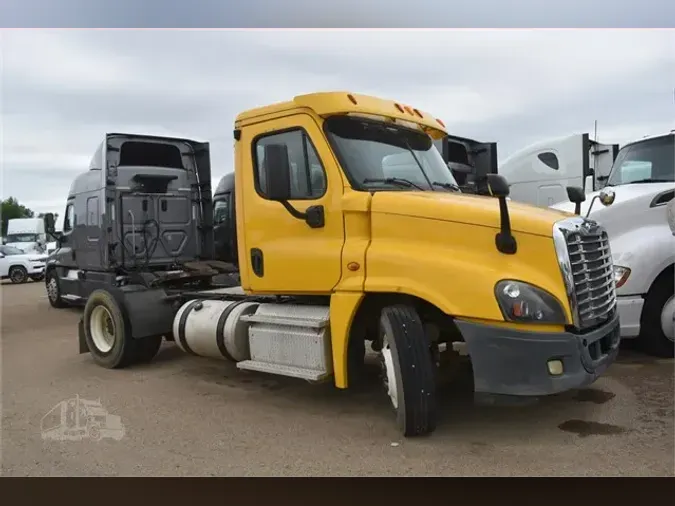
(343, 102)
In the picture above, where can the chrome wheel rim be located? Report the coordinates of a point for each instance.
(102, 329)
(668, 318)
(52, 290)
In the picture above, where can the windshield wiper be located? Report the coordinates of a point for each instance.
(447, 186)
(394, 180)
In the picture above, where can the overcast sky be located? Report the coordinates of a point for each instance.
(62, 90)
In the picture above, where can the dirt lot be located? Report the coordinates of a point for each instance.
(185, 415)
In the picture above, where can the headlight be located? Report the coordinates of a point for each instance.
(621, 275)
(522, 302)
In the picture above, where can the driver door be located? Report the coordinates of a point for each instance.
(283, 253)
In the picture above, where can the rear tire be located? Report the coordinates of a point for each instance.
(408, 370)
(107, 333)
(653, 337)
(18, 274)
(54, 290)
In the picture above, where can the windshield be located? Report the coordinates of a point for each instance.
(22, 237)
(10, 250)
(648, 161)
(376, 155)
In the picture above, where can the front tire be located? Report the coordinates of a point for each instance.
(656, 325)
(107, 333)
(408, 370)
(18, 274)
(53, 288)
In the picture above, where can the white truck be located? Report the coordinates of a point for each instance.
(641, 176)
(27, 234)
(541, 173)
(642, 180)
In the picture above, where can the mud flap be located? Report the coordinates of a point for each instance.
(81, 338)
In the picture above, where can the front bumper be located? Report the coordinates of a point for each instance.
(36, 269)
(514, 362)
(630, 312)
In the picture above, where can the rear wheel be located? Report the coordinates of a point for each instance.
(18, 274)
(408, 371)
(108, 334)
(657, 328)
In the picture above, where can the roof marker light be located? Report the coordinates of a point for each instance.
(440, 122)
(351, 99)
(398, 106)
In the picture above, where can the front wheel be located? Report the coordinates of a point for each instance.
(54, 290)
(657, 328)
(18, 274)
(408, 371)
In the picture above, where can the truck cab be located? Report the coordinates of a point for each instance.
(642, 181)
(144, 205)
(350, 228)
(541, 173)
(26, 234)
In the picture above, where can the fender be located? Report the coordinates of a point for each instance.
(646, 251)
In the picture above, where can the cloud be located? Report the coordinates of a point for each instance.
(62, 90)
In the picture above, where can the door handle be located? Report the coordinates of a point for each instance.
(257, 262)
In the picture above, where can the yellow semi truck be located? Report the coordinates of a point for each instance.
(347, 227)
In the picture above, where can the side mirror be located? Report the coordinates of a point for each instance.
(576, 196)
(497, 185)
(607, 197)
(277, 172)
(49, 223)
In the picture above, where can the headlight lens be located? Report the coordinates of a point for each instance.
(621, 275)
(522, 302)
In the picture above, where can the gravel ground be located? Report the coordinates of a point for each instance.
(190, 416)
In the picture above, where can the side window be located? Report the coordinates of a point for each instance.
(549, 159)
(69, 218)
(308, 177)
(220, 210)
(92, 211)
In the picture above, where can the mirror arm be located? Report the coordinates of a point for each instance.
(314, 217)
(504, 240)
(590, 206)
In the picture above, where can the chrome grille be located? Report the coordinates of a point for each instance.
(590, 272)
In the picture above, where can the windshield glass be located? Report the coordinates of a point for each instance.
(10, 250)
(372, 151)
(22, 237)
(648, 161)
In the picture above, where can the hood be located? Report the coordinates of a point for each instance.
(622, 194)
(466, 208)
(27, 247)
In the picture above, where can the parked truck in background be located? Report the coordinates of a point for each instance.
(333, 251)
(26, 234)
(642, 181)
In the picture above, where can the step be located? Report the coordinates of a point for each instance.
(309, 323)
(283, 370)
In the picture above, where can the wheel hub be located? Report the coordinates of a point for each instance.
(52, 290)
(102, 329)
(668, 318)
(389, 373)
